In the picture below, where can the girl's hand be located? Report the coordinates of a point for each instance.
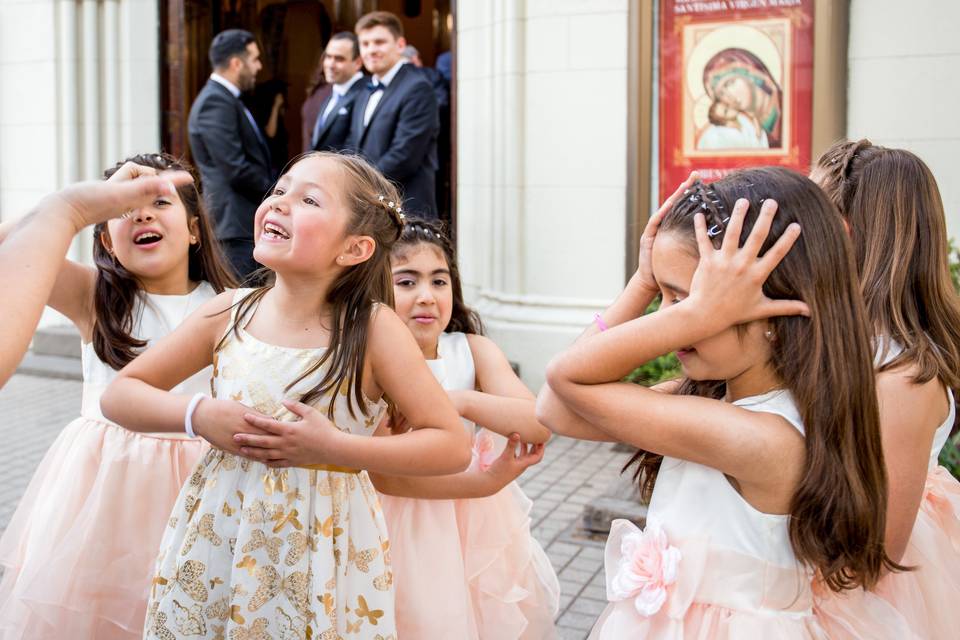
(290, 444)
(516, 458)
(643, 278)
(217, 421)
(727, 287)
(97, 201)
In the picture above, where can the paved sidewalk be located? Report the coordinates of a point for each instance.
(573, 473)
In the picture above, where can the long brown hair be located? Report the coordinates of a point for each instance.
(373, 203)
(116, 290)
(418, 231)
(891, 201)
(838, 511)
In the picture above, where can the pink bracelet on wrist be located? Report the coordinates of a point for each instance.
(600, 323)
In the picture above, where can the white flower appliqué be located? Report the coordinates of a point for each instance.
(648, 565)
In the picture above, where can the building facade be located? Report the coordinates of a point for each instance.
(546, 184)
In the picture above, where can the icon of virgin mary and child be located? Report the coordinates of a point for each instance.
(746, 103)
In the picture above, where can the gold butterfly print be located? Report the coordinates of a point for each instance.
(282, 520)
(191, 503)
(237, 397)
(236, 616)
(380, 637)
(296, 587)
(330, 634)
(157, 627)
(293, 495)
(261, 512)
(202, 528)
(326, 529)
(361, 559)
(158, 580)
(173, 522)
(275, 481)
(189, 578)
(219, 610)
(363, 611)
(267, 588)
(384, 582)
(214, 582)
(290, 628)
(189, 620)
(256, 631)
(297, 543)
(249, 563)
(329, 604)
(218, 632)
(354, 627)
(227, 510)
(259, 539)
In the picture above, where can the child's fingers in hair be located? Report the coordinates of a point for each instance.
(734, 227)
(780, 249)
(704, 246)
(761, 228)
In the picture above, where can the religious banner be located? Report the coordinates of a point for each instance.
(736, 86)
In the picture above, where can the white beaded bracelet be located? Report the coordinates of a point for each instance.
(188, 417)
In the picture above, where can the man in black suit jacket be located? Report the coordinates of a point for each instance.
(395, 124)
(342, 69)
(228, 147)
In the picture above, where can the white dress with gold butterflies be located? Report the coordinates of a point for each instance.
(254, 553)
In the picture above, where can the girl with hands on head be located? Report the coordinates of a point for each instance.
(78, 553)
(301, 550)
(32, 249)
(754, 468)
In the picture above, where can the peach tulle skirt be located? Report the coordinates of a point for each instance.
(925, 600)
(80, 550)
(470, 569)
(717, 595)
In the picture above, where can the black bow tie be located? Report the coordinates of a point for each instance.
(378, 86)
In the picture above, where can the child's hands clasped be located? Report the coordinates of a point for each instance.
(727, 287)
(217, 421)
(282, 443)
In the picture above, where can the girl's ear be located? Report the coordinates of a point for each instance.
(358, 249)
(106, 240)
(194, 227)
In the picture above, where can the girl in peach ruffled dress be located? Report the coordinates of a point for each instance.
(465, 563)
(79, 551)
(891, 205)
(764, 466)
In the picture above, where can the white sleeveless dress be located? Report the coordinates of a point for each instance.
(79, 551)
(708, 564)
(920, 603)
(252, 552)
(469, 569)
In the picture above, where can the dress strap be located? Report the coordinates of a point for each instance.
(238, 296)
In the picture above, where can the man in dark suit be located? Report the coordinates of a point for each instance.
(342, 69)
(395, 124)
(228, 147)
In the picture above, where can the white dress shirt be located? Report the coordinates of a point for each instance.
(378, 95)
(339, 90)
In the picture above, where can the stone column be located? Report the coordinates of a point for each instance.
(541, 168)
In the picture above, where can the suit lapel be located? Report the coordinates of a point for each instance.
(391, 89)
(258, 135)
(326, 123)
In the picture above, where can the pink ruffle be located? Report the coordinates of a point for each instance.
(718, 594)
(470, 569)
(922, 602)
(78, 554)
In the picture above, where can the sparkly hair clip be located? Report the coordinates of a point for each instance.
(392, 206)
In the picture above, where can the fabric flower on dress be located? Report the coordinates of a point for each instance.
(484, 451)
(648, 565)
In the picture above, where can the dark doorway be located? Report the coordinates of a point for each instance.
(292, 35)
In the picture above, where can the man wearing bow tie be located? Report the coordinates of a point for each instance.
(395, 124)
(341, 68)
(229, 148)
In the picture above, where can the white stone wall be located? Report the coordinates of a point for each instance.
(541, 200)
(904, 85)
(79, 90)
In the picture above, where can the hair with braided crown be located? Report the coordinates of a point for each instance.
(358, 289)
(417, 231)
(892, 205)
(838, 511)
(116, 290)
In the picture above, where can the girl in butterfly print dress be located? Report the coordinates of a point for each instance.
(891, 205)
(77, 554)
(296, 548)
(466, 564)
